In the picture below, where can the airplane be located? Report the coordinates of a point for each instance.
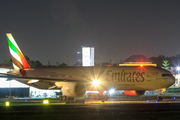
(75, 81)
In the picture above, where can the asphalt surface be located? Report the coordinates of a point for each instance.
(96, 110)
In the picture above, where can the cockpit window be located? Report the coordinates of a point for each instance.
(164, 75)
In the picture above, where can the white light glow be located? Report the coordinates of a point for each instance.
(177, 76)
(7, 103)
(32, 81)
(178, 68)
(45, 101)
(96, 82)
(111, 91)
(88, 56)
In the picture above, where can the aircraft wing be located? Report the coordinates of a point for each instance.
(46, 79)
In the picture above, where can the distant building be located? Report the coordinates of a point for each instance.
(88, 56)
(137, 60)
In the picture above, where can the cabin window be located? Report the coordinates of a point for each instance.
(164, 75)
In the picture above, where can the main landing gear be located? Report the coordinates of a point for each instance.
(70, 100)
(100, 96)
(159, 98)
(64, 98)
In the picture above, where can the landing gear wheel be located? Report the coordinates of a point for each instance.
(64, 98)
(72, 99)
(60, 98)
(105, 97)
(100, 97)
(68, 98)
(95, 97)
(160, 98)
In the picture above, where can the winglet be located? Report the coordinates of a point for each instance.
(18, 59)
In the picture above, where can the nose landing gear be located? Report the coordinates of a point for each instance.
(160, 97)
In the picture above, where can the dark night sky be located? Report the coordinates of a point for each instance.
(55, 30)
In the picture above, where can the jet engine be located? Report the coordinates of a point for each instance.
(133, 92)
(73, 89)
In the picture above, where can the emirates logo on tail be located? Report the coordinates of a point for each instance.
(18, 59)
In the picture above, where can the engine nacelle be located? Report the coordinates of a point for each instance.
(73, 89)
(133, 92)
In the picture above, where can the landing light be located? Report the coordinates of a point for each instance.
(95, 82)
(141, 65)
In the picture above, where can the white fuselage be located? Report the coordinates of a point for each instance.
(119, 78)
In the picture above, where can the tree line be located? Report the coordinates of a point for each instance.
(173, 60)
(32, 63)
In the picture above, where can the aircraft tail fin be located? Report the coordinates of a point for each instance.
(18, 59)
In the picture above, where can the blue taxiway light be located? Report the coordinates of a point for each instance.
(147, 101)
(156, 101)
(174, 98)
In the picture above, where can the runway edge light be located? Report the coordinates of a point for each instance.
(45, 101)
(7, 103)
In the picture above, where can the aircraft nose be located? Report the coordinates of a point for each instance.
(171, 80)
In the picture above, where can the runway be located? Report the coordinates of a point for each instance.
(89, 101)
(109, 110)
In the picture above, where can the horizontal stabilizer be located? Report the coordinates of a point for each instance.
(51, 87)
(9, 79)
